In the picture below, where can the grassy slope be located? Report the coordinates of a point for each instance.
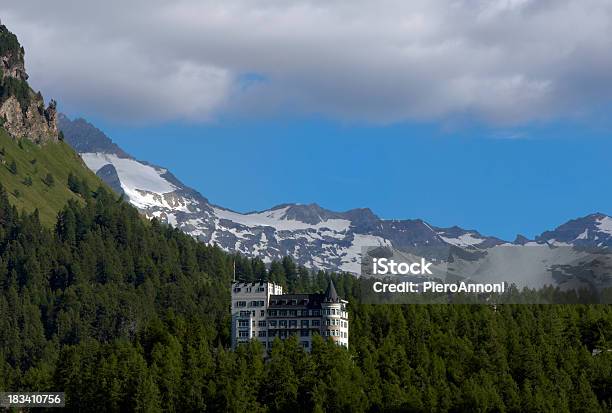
(59, 159)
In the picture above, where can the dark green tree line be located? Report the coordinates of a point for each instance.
(124, 314)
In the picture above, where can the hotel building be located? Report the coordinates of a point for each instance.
(261, 311)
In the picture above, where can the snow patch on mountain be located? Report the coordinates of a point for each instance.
(465, 240)
(133, 174)
(351, 259)
(276, 218)
(605, 225)
(584, 234)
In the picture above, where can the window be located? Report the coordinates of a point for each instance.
(262, 313)
(262, 334)
(282, 323)
(240, 303)
(237, 290)
(316, 312)
(272, 323)
(245, 314)
(260, 289)
(243, 323)
(272, 313)
(244, 334)
(293, 323)
(260, 303)
(305, 323)
(261, 323)
(292, 313)
(316, 323)
(305, 344)
(304, 333)
(282, 313)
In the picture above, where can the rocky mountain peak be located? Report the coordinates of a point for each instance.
(309, 214)
(22, 111)
(363, 219)
(590, 230)
(521, 240)
(85, 137)
(11, 56)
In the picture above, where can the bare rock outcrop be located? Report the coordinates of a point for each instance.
(23, 113)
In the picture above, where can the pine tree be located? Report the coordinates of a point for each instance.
(73, 183)
(49, 180)
(12, 167)
(281, 384)
(147, 397)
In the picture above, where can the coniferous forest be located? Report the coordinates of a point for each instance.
(124, 314)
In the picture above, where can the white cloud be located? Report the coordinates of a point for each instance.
(504, 61)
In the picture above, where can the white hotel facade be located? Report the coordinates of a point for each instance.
(261, 311)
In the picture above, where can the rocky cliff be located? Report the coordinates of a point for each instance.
(22, 111)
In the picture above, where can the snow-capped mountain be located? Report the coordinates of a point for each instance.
(313, 236)
(594, 230)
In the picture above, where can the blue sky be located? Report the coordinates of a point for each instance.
(500, 182)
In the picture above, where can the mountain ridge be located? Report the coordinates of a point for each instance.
(313, 235)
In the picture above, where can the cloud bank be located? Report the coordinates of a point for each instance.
(497, 61)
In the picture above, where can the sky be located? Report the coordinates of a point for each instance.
(485, 114)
